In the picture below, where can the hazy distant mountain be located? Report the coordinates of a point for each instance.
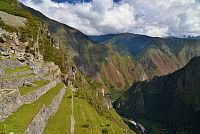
(196, 38)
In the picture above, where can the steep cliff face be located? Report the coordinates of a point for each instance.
(172, 101)
(122, 70)
(164, 56)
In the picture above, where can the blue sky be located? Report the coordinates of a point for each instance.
(149, 17)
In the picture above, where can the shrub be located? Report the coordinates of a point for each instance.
(86, 125)
(104, 131)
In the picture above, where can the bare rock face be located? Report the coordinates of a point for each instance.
(28, 84)
(16, 40)
(1, 72)
(55, 42)
(2, 39)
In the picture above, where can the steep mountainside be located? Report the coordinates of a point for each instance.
(92, 58)
(157, 56)
(167, 104)
(41, 91)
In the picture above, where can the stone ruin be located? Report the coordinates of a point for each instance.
(9, 102)
(10, 45)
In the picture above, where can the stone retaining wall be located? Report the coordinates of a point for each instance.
(9, 64)
(34, 95)
(9, 102)
(16, 74)
(41, 119)
(14, 83)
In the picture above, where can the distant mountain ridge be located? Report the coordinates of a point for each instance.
(158, 56)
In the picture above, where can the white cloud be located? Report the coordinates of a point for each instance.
(150, 17)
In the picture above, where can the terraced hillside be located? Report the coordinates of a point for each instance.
(37, 103)
(24, 92)
(33, 96)
(42, 103)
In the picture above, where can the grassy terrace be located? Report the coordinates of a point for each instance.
(19, 120)
(17, 77)
(16, 70)
(40, 83)
(60, 122)
(87, 121)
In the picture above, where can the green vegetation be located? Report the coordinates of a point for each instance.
(114, 94)
(31, 28)
(53, 54)
(19, 120)
(60, 122)
(87, 120)
(88, 98)
(7, 27)
(39, 83)
(18, 77)
(166, 104)
(16, 70)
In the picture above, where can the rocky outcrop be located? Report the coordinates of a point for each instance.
(41, 119)
(1, 72)
(53, 69)
(2, 39)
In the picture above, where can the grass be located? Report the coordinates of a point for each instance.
(16, 70)
(60, 122)
(25, 90)
(19, 120)
(88, 121)
(13, 57)
(18, 77)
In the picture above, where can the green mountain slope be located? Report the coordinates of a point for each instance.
(167, 104)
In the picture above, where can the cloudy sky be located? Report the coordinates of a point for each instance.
(149, 17)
